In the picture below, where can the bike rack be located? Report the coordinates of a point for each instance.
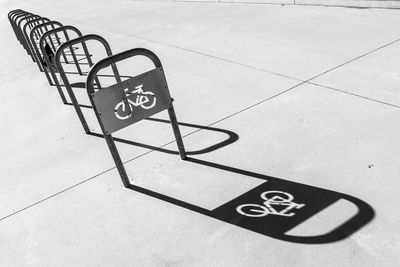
(20, 23)
(32, 24)
(25, 18)
(105, 99)
(10, 19)
(48, 37)
(35, 36)
(81, 40)
(14, 21)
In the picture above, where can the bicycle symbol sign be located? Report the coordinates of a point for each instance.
(132, 100)
(275, 203)
(136, 97)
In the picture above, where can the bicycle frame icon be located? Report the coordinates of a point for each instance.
(134, 98)
(273, 200)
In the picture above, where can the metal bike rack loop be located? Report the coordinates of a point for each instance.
(24, 19)
(10, 16)
(69, 45)
(31, 24)
(105, 100)
(35, 36)
(49, 37)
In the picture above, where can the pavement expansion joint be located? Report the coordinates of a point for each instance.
(355, 95)
(354, 59)
(55, 194)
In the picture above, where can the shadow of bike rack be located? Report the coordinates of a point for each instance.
(231, 138)
(310, 201)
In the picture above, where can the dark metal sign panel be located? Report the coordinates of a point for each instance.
(132, 100)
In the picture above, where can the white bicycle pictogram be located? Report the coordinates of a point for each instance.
(144, 99)
(273, 200)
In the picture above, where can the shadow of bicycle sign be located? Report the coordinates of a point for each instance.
(275, 203)
(277, 206)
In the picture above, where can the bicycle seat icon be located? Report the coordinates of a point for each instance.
(276, 203)
(134, 98)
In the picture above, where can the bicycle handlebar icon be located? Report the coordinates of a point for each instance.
(144, 99)
(272, 198)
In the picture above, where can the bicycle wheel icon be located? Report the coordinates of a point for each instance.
(136, 98)
(147, 100)
(275, 202)
(123, 111)
(252, 210)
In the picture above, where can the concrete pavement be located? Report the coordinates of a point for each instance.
(307, 95)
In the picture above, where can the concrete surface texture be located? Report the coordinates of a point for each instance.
(285, 94)
(390, 4)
